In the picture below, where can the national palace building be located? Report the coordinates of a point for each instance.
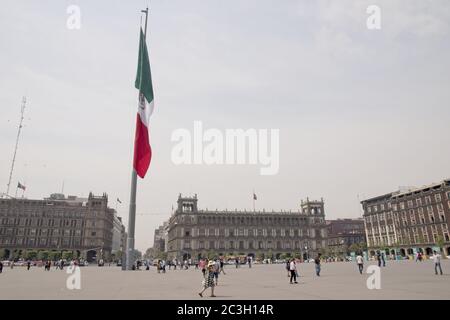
(409, 221)
(192, 233)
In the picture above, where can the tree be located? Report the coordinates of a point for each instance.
(2, 253)
(42, 255)
(260, 255)
(67, 255)
(440, 242)
(54, 255)
(118, 255)
(29, 254)
(354, 247)
(211, 254)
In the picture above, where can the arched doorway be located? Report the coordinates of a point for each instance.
(187, 256)
(91, 256)
(448, 251)
(420, 250)
(251, 254)
(305, 257)
(402, 252)
(410, 251)
(372, 253)
(429, 251)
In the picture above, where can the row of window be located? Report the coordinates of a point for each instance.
(40, 232)
(408, 238)
(41, 242)
(395, 215)
(410, 203)
(247, 220)
(254, 232)
(244, 245)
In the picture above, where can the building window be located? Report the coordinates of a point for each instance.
(437, 197)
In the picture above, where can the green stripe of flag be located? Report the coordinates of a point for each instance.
(144, 77)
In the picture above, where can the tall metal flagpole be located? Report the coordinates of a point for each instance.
(22, 111)
(132, 213)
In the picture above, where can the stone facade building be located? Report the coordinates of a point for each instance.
(193, 233)
(81, 225)
(410, 220)
(343, 233)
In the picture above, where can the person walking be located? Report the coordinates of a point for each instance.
(288, 267)
(293, 271)
(379, 258)
(208, 280)
(383, 259)
(249, 259)
(28, 265)
(202, 266)
(317, 263)
(236, 261)
(360, 263)
(216, 270)
(221, 266)
(437, 262)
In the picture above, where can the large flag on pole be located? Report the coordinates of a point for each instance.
(142, 149)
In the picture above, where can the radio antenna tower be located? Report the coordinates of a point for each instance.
(22, 111)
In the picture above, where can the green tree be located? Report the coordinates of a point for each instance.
(440, 242)
(260, 255)
(211, 254)
(68, 255)
(54, 255)
(32, 254)
(2, 253)
(354, 247)
(42, 255)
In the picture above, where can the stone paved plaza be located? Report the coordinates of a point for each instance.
(339, 280)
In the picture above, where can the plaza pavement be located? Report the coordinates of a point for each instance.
(339, 280)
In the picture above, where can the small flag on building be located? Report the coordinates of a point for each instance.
(20, 186)
(118, 200)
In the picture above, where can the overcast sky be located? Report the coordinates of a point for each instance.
(360, 112)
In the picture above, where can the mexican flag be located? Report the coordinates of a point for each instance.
(142, 149)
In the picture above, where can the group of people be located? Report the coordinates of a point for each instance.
(292, 272)
(210, 270)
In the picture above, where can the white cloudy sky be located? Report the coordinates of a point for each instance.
(359, 111)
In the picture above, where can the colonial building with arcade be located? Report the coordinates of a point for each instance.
(193, 233)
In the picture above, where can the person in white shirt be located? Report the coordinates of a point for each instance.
(293, 270)
(437, 262)
(360, 263)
